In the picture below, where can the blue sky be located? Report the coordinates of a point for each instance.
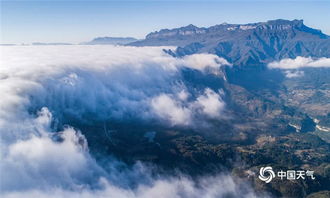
(77, 21)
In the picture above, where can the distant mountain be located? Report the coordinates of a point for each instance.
(7, 44)
(244, 44)
(111, 41)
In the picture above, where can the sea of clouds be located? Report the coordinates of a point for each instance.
(40, 84)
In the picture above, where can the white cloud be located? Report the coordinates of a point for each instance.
(293, 74)
(183, 95)
(211, 103)
(179, 110)
(300, 62)
(105, 82)
(203, 61)
(171, 110)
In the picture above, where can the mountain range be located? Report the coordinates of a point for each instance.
(244, 44)
(110, 41)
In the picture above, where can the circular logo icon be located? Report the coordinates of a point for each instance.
(266, 174)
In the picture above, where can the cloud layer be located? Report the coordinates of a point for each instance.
(300, 62)
(109, 82)
(44, 84)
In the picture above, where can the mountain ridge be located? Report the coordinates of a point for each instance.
(278, 23)
(244, 44)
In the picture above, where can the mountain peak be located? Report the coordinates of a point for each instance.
(281, 24)
(190, 26)
(297, 25)
(182, 31)
(286, 22)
